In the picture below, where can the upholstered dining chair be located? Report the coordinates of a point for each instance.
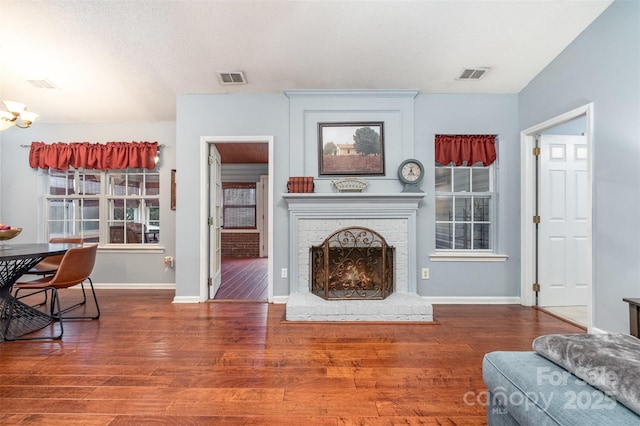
(75, 268)
(49, 265)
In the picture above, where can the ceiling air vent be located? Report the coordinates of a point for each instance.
(231, 77)
(473, 73)
(42, 84)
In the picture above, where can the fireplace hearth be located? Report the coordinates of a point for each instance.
(314, 216)
(353, 263)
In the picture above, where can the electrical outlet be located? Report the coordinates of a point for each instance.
(283, 272)
(168, 262)
(425, 273)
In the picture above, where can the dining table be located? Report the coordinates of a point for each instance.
(16, 317)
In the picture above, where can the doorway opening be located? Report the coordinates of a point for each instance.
(239, 263)
(556, 234)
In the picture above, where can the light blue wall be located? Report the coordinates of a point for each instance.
(20, 201)
(603, 66)
(427, 115)
(471, 114)
(225, 115)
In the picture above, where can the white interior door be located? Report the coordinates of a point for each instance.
(215, 221)
(263, 221)
(563, 209)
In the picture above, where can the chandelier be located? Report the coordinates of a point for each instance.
(16, 114)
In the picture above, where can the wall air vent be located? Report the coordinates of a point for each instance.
(473, 73)
(42, 84)
(231, 77)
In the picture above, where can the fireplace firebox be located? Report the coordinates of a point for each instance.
(354, 263)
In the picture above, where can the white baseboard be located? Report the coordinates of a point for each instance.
(449, 300)
(474, 300)
(186, 299)
(135, 286)
(280, 299)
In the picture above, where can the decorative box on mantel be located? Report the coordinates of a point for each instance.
(314, 216)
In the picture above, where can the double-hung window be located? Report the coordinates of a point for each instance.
(464, 193)
(239, 205)
(464, 207)
(107, 207)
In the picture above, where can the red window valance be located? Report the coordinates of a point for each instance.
(471, 149)
(109, 156)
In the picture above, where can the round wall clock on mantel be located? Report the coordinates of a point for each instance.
(411, 173)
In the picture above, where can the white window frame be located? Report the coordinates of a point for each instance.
(104, 201)
(456, 254)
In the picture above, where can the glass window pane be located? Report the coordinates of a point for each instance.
(89, 184)
(444, 236)
(444, 208)
(463, 236)
(480, 179)
(443, 179)
(239, 217)
(133, 209)
(481, 236)
(463, 208)
(482, 209)
(239, 196)
(134, 184)
(90, 226)
(461, 179)
(117, 184)
(89, 209)
(152, 184)
(61, 182)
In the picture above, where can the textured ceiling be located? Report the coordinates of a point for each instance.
(117, 61)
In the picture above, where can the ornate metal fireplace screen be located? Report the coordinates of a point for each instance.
(352, 263)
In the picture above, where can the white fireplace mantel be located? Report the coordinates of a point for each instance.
(313, 216)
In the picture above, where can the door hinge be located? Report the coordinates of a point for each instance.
(210, 221)
(210, 282)
(536, 219)
(210, 160)
(536, 287)
(536, 151)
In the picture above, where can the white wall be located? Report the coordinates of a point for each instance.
(603, 66)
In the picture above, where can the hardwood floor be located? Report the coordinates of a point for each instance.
(148, 361)
(244, 279)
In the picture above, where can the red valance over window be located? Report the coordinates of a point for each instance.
(109, 156)
(470, 148)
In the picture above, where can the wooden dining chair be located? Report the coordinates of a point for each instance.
(75, 268)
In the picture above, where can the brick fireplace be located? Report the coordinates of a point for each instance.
(314, 216)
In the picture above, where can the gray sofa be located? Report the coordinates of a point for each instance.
(567, 380)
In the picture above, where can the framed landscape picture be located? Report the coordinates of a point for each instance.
(353, 148)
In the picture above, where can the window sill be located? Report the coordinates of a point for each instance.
(131, 248)
(467, 257)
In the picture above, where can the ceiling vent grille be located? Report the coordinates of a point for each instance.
(42, 84)
(231, 77)
(473, 73)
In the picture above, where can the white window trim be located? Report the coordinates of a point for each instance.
(467, 256)
(473, 255)
(103, 198)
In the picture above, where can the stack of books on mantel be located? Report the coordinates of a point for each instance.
(300, 184)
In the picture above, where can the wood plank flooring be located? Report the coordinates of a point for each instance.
(244, 279)
(149, 361)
